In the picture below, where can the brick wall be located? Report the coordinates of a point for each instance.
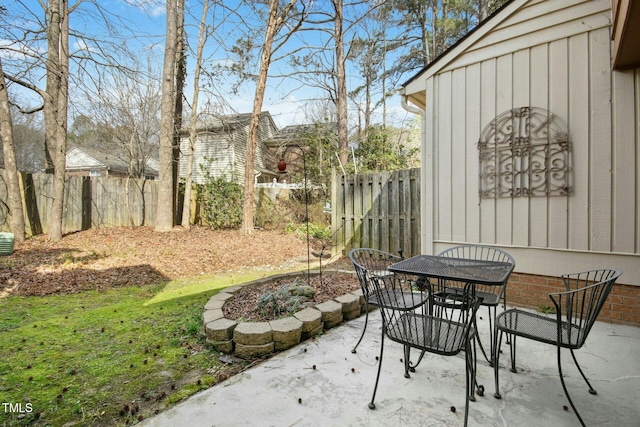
(532, 291)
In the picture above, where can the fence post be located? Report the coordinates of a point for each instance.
(337, 209)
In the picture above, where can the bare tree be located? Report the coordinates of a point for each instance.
(164, 213)
(124, 116)
(202, 38)
(278, 16)
(10, 166)
(341, 76)
(324, 65)
(26, 32)
(56, 99)
(181, 75)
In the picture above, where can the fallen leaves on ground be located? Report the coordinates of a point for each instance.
(120, 256)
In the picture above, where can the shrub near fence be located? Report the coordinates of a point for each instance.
(89, 202)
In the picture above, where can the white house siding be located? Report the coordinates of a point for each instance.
(240, 137)
(555, 55)
(227, 146)
(212, 146)
(266, 131)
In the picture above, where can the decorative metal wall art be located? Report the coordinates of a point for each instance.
(525, 152)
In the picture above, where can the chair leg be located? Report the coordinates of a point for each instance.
(512, 351)
(591, 389)
(470, 380)
(375, 387)
(472, 366)
(413, 366)
(496, 364)
(564, 387)
(492, 317)
(493, 311)
(407, 363)
(366, 321)
(504, 308)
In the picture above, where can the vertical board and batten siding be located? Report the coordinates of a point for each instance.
(555, 55)
(380, 211)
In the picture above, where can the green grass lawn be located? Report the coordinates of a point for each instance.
(106, 358)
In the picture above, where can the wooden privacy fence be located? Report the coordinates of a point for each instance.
(89, 202)
(380, 211)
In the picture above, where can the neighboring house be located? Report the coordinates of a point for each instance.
(287, 143)
(221, 148)
(530, 138)
(91, 162)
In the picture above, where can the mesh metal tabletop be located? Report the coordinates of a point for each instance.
(457, 269)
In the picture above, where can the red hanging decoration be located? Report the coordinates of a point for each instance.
(282, 166)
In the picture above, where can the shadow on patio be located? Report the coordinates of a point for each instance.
(320, 382)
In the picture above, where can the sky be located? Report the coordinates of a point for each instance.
(284, 98)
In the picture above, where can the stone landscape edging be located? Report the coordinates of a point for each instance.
(257, 339)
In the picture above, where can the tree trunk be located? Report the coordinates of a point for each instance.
(164, 213)
(55, 106)
(11, 171)
(202, 38)
(181, 75)
(274, 24)
(248, 208)
(341, 101)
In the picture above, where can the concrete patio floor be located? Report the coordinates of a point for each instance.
(287, 390)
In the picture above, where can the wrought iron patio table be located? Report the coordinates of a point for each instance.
(465, 270)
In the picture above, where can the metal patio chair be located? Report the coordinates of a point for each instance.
(576, 310)
(447, 329)
(369, 265)
(490, 295)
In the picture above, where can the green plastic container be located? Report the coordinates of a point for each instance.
(7, 241)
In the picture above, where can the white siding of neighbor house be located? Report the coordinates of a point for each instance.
(227, 151)
(555, 55)
(213, 151)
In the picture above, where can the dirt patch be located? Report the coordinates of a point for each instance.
(112, 257)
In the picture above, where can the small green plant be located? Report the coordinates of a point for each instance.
(546, 309)
(316, 231)
(281, 302)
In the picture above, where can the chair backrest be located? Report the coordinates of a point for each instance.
(478, 252)
(442, 327)
(580, 304)
(369, 263)
(482, 253)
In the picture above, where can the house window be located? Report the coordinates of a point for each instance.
(524, 152)
(95, 173)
